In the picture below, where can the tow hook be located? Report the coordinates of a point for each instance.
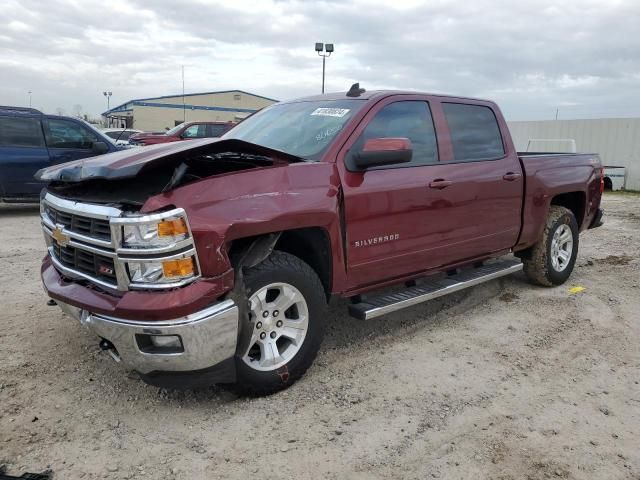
(107, 346)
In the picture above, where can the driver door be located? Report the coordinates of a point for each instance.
(389, 211)
(198, 130)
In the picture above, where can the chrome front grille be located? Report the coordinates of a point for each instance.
(85, 242)
(89, 263)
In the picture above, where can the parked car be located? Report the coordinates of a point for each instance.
(184, 131)
(212, 261)
(31, 140)
(120, 135)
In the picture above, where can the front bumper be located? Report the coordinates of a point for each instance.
(208, 339)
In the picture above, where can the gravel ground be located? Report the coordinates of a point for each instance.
(505, 380)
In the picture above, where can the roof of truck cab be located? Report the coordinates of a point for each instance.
(373, 94)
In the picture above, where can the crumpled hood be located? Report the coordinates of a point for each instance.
(129, 163)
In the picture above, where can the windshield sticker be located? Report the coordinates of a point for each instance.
(331, 112)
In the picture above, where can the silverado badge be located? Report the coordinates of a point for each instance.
(60, 237)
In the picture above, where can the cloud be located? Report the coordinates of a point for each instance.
(530, 56)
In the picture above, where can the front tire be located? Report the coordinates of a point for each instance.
(552, 259)
(286, 324)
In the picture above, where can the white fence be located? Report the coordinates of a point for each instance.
(617, 140)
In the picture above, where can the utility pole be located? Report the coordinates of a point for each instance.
(557, 113)
(30, 98)
(184, 108)
(328, 48)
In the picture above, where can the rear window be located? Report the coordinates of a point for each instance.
(20, 132)
(475, 134)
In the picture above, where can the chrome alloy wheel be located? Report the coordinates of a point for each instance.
(280, 319)
(561, 248)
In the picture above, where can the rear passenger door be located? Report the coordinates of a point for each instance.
(481, 179)
(22, 153)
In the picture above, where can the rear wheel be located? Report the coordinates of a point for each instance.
(552, 259)
(285, 326)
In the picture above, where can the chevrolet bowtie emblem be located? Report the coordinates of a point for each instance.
(60, 237)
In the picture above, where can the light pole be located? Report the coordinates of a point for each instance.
(108, 95)
(328, 48)
(30, 92)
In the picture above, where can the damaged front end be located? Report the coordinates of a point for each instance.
(135, 277)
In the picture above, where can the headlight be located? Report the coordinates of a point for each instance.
(162, 271)
(155, 233)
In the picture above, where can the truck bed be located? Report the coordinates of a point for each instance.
(576, 176)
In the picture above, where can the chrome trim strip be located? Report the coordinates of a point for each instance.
(162, 286)
(149, 218)
(88, 209)
(193, 317)
(155, 250)
(185, 254)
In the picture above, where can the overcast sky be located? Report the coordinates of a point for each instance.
(581, 56)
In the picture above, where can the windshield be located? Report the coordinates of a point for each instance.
(174, 129)
(100, 134)
(303, 129)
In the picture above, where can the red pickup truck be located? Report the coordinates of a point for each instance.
(184, 131)
(212, 261)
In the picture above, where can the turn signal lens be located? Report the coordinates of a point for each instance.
(172, 228)
(178, 268)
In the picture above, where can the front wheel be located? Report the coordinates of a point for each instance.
(552, 259)
(285, 327)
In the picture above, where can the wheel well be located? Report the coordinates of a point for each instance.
(608, 184)
(574, 201)
(311, 245)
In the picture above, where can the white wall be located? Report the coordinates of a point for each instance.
(617, 140)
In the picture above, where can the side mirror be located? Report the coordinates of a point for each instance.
(99, 148)
(383, 151)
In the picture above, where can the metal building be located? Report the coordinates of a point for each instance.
(160, 113)
(617, 140)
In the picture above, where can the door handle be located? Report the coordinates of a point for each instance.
(440, 183)
(511, 176)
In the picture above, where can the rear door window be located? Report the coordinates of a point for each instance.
(407, 119)
(475, 134)
(68, 134)
(216, 130)
(21, 132)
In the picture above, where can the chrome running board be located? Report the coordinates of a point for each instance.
(373, 307)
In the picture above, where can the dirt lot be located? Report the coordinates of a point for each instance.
(502, 381)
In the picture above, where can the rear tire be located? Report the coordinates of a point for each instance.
(287, 306)
(552, 259)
